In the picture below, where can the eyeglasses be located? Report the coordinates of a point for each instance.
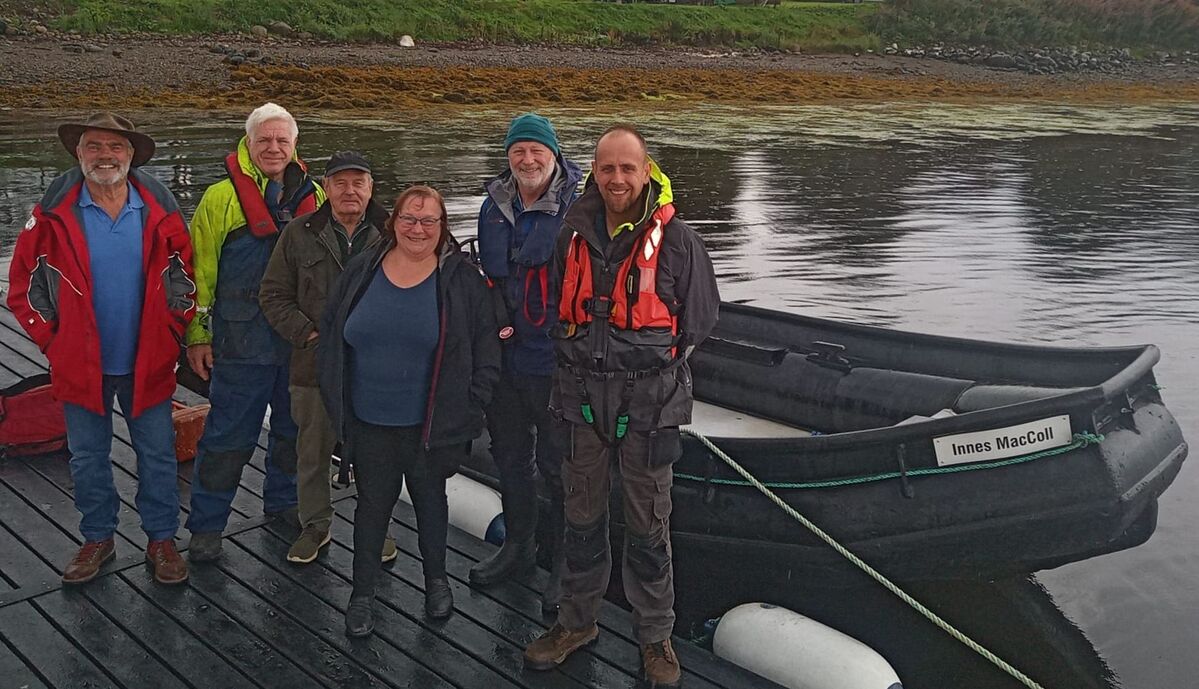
(412, 220)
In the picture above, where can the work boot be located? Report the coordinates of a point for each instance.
(390, 551)
(551, 648)
(439, 600)
(360, 617)
(308, 545)
(87, 562)
(164, 559)
(204, 547)
(518, 554)
(660, 666)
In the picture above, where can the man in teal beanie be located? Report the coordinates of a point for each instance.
(532, 127)
(519, 224)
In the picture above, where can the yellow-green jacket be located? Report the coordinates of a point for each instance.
(230, 260)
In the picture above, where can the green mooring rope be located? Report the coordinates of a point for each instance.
(1080, 440)
(875, 574)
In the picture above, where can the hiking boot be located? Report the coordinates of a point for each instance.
(439, 600)
(551, 648)
(360, 617)
(390, 551)
(513, 558)
(164, 559)
(288, 517)
(660, 666)
(204, 547)
(87, 562)
(308, 545)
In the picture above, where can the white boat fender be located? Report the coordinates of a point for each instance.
(798, 652)
(474, 508)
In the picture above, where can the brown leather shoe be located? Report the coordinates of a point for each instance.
(87, 562)
(169, 566)
(551, 648)
(660, 666)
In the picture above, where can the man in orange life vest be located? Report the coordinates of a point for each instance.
(230, 342)
(638, 294)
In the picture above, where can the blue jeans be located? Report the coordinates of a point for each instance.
(240, 394)
(89, 437)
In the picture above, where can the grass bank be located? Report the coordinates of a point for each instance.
(809, 27)
(1137, 24)
(1142, 25)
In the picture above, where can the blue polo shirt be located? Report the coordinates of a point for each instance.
(114, 249)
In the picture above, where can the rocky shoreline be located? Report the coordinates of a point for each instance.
(1049, 60)
(49, 70)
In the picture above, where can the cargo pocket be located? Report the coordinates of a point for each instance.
(238, 332)
(665, 447)
(312, 286)
(663, 505)
(586, 546)
(578, 497)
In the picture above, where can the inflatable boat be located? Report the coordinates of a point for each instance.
(929, 457)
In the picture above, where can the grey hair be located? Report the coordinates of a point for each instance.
(268, 112)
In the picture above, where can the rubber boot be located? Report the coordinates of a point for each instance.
(518, 554)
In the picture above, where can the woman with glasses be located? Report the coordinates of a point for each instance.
(408, 357)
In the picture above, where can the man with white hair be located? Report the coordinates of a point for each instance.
(101, 280)
(230, 343)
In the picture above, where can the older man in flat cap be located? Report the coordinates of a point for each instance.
(102, 280)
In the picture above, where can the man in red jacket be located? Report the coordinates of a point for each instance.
(102, 280)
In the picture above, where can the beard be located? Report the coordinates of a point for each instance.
(533, 180)
(107, 177)
(619, 205)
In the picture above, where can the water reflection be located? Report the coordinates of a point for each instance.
(1063, 224)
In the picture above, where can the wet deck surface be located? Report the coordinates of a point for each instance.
(252, 619)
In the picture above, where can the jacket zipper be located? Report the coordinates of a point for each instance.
(429, 407)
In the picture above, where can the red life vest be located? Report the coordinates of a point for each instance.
(634, 301)
(258, 217)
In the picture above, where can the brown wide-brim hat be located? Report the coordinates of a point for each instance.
(143, 145)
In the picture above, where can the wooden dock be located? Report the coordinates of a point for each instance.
(254, 620)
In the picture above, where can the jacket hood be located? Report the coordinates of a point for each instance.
(64, 183)
(502, 189)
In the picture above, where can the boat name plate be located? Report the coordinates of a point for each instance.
(1001, 443)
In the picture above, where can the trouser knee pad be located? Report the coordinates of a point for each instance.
(221, 471)
(648, 556)
(585, 545)
(283, 454)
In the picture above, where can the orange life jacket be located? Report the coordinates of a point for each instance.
(633, 303)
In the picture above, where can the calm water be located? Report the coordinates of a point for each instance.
(1046, 224)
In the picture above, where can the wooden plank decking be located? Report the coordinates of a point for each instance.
(253, 620)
